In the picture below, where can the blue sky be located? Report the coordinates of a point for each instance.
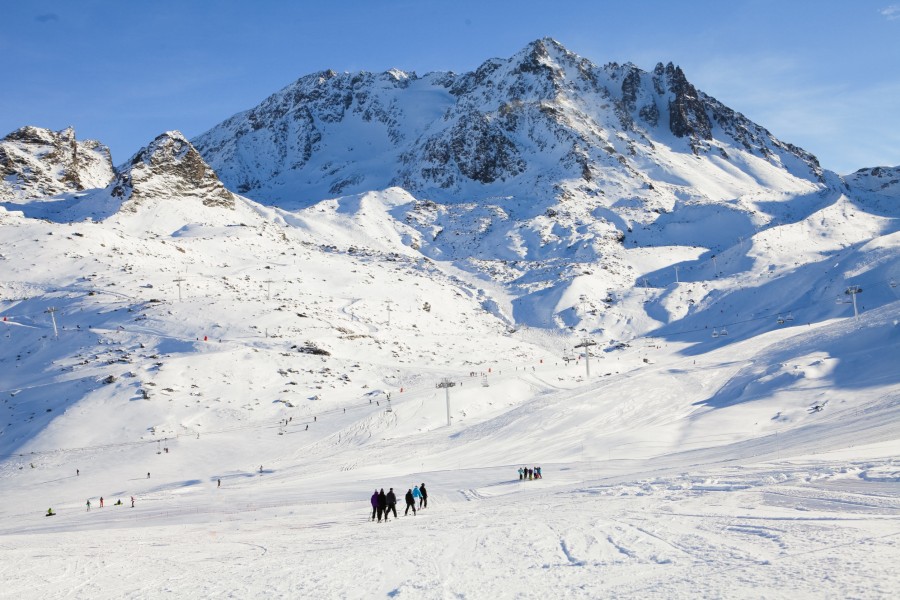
(822, 74)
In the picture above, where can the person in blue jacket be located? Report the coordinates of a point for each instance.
(374, 504)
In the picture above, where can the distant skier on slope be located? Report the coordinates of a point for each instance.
(382, 505)
(424, 492)
(410, 503)
(391, 503)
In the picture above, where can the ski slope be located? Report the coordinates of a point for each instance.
(684, 465)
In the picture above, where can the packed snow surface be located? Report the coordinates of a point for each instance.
(761, 462)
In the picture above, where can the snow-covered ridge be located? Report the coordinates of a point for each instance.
(883, 181)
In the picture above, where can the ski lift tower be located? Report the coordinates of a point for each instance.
(586, 343)
(52, 312)
(447, 384)
(852, 291)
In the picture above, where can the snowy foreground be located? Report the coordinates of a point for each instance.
(645, 493)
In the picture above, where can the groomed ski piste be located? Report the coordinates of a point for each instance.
(258, 347)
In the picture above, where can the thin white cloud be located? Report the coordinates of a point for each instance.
(891, 13)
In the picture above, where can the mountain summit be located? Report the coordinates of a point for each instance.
(544, 123)
(170, 167)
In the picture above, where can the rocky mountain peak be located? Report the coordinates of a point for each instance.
(36, 163)
(170, 166)
(544, 123)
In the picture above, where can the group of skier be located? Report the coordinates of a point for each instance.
(529, 473)
(383, 504)
(119, 503)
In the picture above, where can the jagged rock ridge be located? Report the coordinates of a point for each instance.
(38, 163)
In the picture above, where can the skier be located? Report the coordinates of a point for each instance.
(424, 501)
(77, 472)
(540, 475)
(88, 505)
(382, 505)
(410, 503)
(148, 474)
(101, 501)
(391, 503)
(218, 483)
(374, 501)
(132, 502)
(521, 472)
(417, 495)
(50, 513)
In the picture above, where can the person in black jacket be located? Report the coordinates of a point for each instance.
(391, 504)
(423, 503)
(410, 503)
(374, 504)
(382, 505)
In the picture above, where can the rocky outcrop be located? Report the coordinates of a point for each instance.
(687, 112)
(170, 167)
(38, 163)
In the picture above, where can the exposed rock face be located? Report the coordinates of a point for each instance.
(544, 123)
(687, 113)
(170, 167)
(37, 163)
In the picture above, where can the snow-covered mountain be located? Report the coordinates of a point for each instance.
(533, 170)
(543, 125)
(38, 163)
